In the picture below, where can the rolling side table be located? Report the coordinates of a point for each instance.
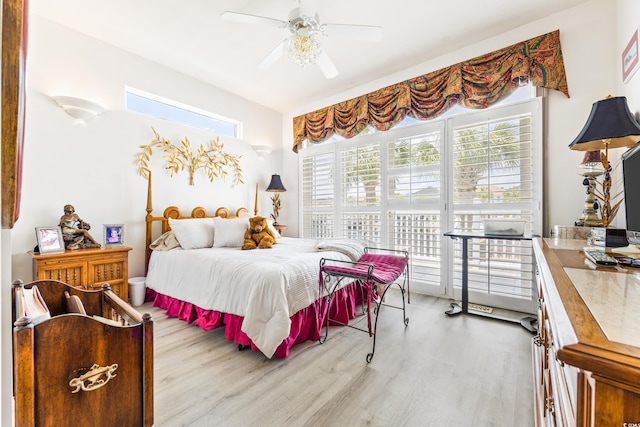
(526, 322)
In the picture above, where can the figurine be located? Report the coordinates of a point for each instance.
(75, 231)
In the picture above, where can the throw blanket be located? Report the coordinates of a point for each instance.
(354, 249)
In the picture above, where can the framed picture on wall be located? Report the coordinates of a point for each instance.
(113, 234)
(50, 240)
(630, 58)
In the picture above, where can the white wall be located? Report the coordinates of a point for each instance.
(590, 60)
(92, 167)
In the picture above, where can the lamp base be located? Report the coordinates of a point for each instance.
(590, 217)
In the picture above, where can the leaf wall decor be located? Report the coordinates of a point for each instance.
(212, 158)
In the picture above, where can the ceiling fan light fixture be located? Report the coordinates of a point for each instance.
(303, 49)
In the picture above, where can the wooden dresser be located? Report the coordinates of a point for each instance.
(86, 268)
(586, 356)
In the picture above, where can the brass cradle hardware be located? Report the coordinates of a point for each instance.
(94, 379)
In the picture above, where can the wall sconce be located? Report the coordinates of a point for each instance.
(262, 150)
(275, 186)
(78, 108)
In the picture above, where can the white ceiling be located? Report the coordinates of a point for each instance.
(190, 36)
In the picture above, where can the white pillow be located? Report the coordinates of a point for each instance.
(272, 228)
(229, 232)
(193, 233)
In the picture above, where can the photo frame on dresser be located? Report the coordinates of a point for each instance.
(50, 240)
(113, 234)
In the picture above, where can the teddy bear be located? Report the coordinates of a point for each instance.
(258, 234)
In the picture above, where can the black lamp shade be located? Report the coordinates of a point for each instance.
(275, 186)
(610, 119)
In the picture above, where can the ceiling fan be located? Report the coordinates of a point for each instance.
(302, 46)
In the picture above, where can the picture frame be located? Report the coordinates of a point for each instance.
(113, 234)
(50, 240)
(630, 58)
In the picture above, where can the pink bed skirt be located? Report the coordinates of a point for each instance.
(306, 324)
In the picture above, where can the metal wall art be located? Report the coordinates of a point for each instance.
(212, 159)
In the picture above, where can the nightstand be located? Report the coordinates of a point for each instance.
(280, 228)
(86, 268)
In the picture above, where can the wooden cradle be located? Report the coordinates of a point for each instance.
(74, 370)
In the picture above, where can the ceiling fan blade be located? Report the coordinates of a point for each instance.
(325, 64)
(273, 56)
(361, 32)
(253, 19)
(308, 8)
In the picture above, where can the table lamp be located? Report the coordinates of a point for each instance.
(591, 169)
(276, 186)
(610, 125)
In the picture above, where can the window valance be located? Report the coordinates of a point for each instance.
(476, 83)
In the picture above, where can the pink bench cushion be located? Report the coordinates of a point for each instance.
(386, 268)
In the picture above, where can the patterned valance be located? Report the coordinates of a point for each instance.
(477, 83)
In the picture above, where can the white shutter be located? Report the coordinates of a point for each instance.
(414, 183)
(496, 174)
(361, 189)
(318, 198)
(360, 170)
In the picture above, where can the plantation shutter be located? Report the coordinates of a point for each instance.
(361, 185)
(318, 195)
(415, 193)
(496, 175)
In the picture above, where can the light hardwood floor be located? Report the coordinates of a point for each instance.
(439, 371)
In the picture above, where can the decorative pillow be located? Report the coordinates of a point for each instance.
(193, 233)
(275, 232)
(229, 232)
(165, 242)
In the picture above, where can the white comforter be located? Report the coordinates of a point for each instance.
(265, 286)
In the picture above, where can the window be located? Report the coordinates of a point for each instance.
(496, 173)
(153, 105)
(318, 195)
(415, 191)
(404, 188)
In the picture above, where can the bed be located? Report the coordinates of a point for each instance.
(268, 299)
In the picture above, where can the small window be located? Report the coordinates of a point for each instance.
(162, 108)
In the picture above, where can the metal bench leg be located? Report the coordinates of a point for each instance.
(376, 310)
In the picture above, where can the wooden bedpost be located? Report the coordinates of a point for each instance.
(149, 226)
(255, 204)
